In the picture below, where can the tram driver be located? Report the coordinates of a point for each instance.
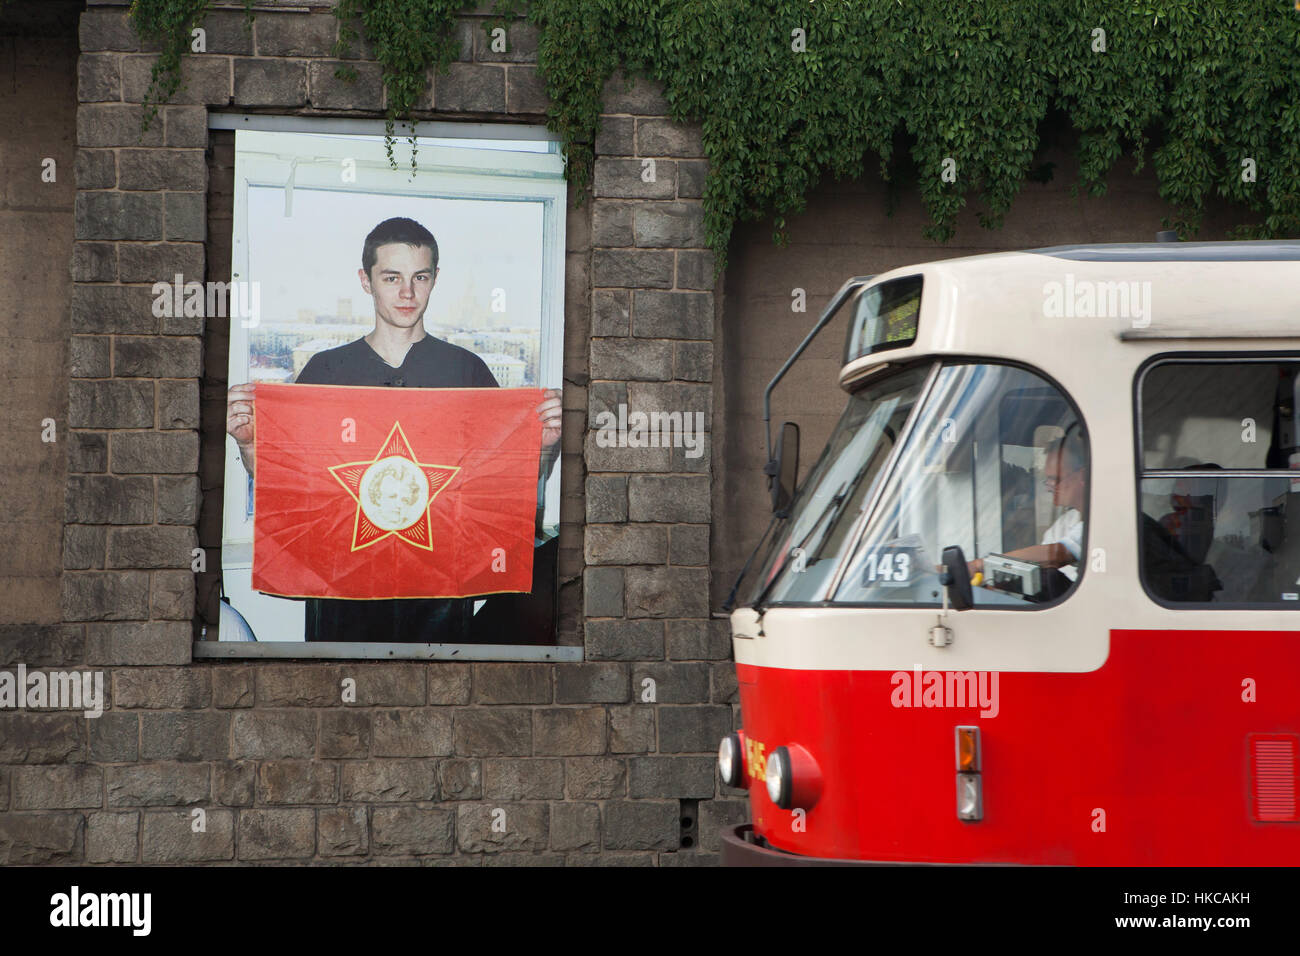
(1065, 475)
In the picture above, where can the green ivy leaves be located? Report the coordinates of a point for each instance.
(958, 86)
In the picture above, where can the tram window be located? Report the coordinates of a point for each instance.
(1218, 412)
(1211, 535)
(996, 464)
(807, 548)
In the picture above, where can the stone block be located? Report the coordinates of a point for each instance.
(641, 825)
(114, 738)
(118, 215)
(89, 355)
(665, 137)
(632, 268)
(471, 87)
(110, 403)
(602, 591)
(611, 312)
(154, 453)
(688, 544)
(616, 136)
(88, 452)
(105, 596)
(112, 837)
(389, 781)
(276, 834)
(268, 82)
(232, 687)
(564, 731)
(342, 831)
(345, 733)
(693, 729)
(185, 736)
(146, 169)
(523, 779)
(523, 826)
(412, 733)
(169, 836)
(96, 169)
(266, 734)
(615, 640)
(160, 546)
(512, 683)
(36, 839)
(634, 179)
(296, 781)
(158, 785)
(676, 777)
(84, 547)
(632, 729)
(108, 499)
(668, 592)
(606, 498)
(620, 359)
(669, 498)
(328, 91)
(410, 831)
(56, 788)
(625, 544)
(668, 225)
(595, 778)
(493, 732)
(575, 827)
(526, 91)
(150, 643)
(162, 688)
(460, 779)
(674, 683)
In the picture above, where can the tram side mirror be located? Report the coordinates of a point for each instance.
(783, 470)
(956, 578)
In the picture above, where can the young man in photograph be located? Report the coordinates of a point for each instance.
(399, 268)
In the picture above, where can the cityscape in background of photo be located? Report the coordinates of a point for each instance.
(280, 346)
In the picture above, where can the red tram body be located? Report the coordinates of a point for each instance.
(1102, 438)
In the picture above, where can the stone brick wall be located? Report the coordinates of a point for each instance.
(434, 762)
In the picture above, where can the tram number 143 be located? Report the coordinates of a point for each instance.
(888, 568)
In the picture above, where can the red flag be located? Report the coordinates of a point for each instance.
(372, 493)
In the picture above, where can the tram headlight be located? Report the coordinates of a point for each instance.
(731, 766)
(778, 778)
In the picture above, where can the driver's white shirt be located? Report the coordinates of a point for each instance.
(1067, 530)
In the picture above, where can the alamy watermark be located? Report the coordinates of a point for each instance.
(77, 909)
(178, 298)
(1086, 299)
(56, 690)
(651, 430)
(946, 689)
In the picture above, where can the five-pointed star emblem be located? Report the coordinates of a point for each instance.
(393, 492)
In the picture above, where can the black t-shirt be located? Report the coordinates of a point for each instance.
(429, 363)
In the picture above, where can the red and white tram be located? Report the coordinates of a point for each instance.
(1038, 599)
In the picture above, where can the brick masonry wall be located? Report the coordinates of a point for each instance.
(434, 762)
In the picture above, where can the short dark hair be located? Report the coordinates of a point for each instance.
(397, 229)
(1074, 444)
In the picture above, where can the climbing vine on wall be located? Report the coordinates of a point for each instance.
(786, 92)
(170, 24)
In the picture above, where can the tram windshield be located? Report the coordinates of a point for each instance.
(992, 459)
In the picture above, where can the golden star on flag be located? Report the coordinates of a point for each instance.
(393, 492)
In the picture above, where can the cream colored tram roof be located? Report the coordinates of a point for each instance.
(1203, 296)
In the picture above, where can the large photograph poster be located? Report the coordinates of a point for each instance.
(393, 411)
